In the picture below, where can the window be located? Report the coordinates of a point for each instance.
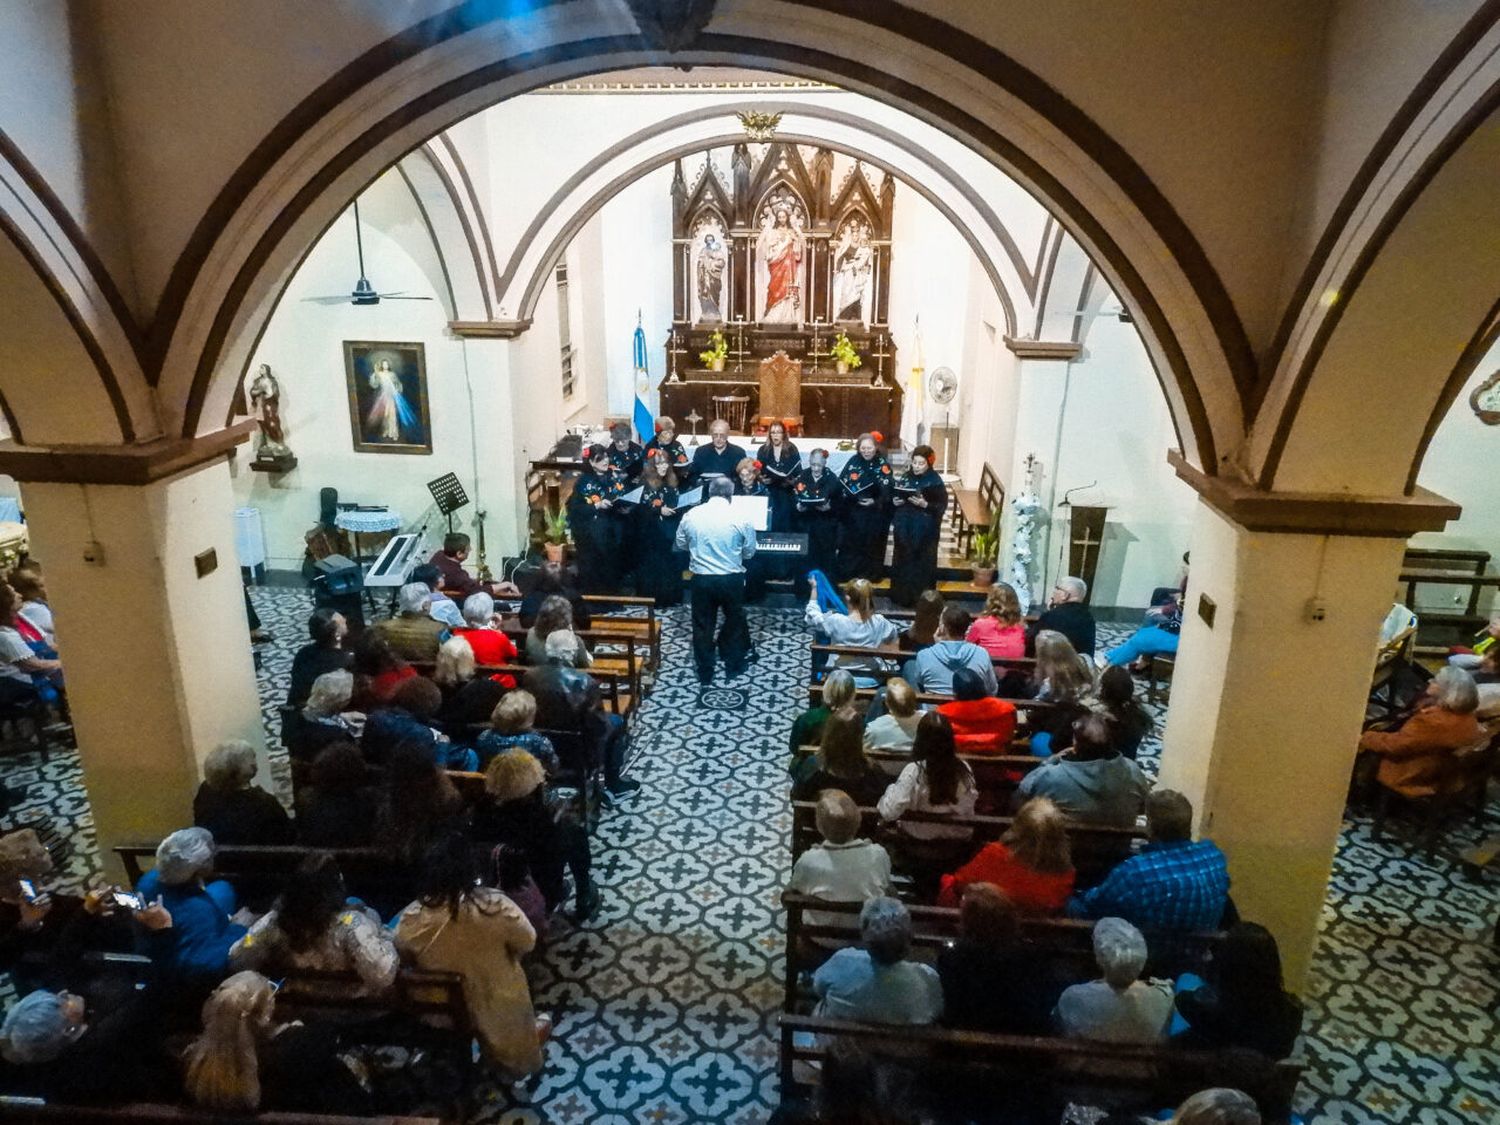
(564, 330)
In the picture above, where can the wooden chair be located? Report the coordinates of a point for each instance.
(1159, 669)
(734, 409)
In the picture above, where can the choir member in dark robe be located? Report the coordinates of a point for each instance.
(625, 455)
(719, 457)
(781, 465)
(598, 525)
(677, 456)
(758, 569)
(865, 515)
(658, 568)
(816, 497)
(920, 498)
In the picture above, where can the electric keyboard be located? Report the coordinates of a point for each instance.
(397, 559)
(781, 543)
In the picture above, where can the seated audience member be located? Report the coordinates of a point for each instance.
(937, 781)
(876, 984)
(412, 633)
(312, 926)
(418, 806)
(1416, 759)
(516, 812)
(441, 608)
(324, 653)
(555, 616)
(456, 581)
(510, 729)
(1092, 782)
(1172, 884)
(568, 699)
(999, 629)
(513, 876)
(232, 809)
(1119, 1007)
(337, 806)
(935, 665)
(861, 627)
(458, 926)
(1467, 659)
(31, 588)
(553, 578)
(991, 981)
(1062, 678)
(1129, 722)
(467, 698)
(840, 763)
(409, 719)
(245, 1062)
(20, 667)
(194, 948)
(838, 692)
(1487, 681)
(922, 632)
(1246, 1005)
(982, 724)
(480, 629)
(378, 671)
(327, 717)
(895, 729)
(1217, 1106)
(1066, 614)
(1032, 864)
(1158, 636)
(843, 868)
(53, 1046)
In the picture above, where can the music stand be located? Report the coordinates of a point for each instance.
(448, 494)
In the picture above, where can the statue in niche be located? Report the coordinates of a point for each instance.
(779, 250)
(265, 404)
(712, 260)
(853, 271)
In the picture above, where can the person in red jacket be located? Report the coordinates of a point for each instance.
(490, 645)
(982, 724)
(1417, 759)
(1031, 863)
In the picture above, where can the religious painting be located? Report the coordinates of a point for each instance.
(853, 261)
(710, 259)
(388, 397)
(778, 256)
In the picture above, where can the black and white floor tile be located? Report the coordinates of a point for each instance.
(665, 1002)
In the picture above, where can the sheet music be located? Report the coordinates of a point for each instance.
(688, 498)
(754, 510)
(634, 495)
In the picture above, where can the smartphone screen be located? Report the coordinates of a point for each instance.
(127, 900)
(28, 890)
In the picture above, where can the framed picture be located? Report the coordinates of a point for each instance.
(388, 397)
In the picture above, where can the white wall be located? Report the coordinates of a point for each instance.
(636, 233)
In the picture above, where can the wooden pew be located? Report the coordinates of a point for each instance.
(887, 661)
(1097, 848)
(1472, 617)
(1153, 1077)
(145, 1113)
(618, 685)
(993, 773)
(974, 508)
(1024, 707)
(646, 625)
(260, 873)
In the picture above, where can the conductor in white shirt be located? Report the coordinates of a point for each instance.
(719, 544)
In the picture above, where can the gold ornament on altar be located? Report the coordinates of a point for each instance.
(759, 126)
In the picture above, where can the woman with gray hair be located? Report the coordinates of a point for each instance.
(235, 811)
(877, 984)
(1417, 759)
(325, 718)
(1119, 1007)
(1218, 1106)
(194, 949)
(481, 629)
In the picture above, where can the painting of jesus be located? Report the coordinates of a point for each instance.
(387, 397)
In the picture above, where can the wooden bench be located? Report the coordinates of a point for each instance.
(974, 508)
(992, 772)
(1024, 707)
(946, 1060)
(1472, 617)
(821, 657)
(646, 625)
(259, 873)
(145, 1113)
(618, 685)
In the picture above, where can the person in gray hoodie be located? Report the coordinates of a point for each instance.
(933, 667)
(1091, 782)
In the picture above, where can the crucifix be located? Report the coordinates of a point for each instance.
(881, 355)
(675, 349)
(1085, 538)
(738, 351)
(693, 419)
(816, 352)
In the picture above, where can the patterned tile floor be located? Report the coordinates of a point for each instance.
(665, 1002)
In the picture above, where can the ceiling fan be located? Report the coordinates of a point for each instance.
(364, 293)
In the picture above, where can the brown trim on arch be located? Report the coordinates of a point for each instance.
(1317, 513)
(1045, 279)
(114, 464)
(80, 327)
(1476, 116)
(1442, 68)
(1044, 349)
(1085, 291)
(98, 272)
(484, 229)
(1478, 347)
(432, 237)
(463, 221)
(1129, 177)
(489, 329)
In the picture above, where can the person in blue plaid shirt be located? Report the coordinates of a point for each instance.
(1173, 884)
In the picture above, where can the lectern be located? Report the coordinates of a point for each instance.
(1085, 539)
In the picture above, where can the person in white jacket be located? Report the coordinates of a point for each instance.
(937, 781)
(861, 626)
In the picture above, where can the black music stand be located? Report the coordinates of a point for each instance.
(449, 495)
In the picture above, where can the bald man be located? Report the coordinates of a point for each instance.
(720, 456)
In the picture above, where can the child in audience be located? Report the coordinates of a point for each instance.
(510, 729)
(843, 868)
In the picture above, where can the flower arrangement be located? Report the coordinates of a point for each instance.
(718, 348)
(843, 352)
(1026, 505)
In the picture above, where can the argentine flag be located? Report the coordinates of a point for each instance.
(645, 421)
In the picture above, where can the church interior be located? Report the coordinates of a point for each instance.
(370, 360)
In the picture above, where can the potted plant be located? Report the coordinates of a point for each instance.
(718, 348)
(845, 358)
(984, 552)
(555, 534)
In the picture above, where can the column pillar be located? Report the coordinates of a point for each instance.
(157, 656)
(1268, 698)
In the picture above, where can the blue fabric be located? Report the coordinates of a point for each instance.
(1041, 744)
(1145, 641)
(1177, 885)
(1188, 982)
(197, 944)
(825, 594)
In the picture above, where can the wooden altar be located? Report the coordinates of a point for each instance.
(782, 259)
